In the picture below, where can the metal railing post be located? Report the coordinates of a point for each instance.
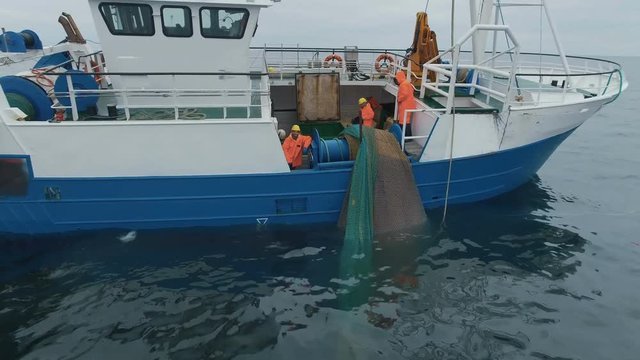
(493, 53)
(175, 98)
(425, 76)
(224, 107)
(404, 128)
(512, 80)
(453, 79)
(72, 98)
(281, 61)
(561, 52)
(125, 103)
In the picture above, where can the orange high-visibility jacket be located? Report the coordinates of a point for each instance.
(367, 115)
(293, 149)
(406, 101)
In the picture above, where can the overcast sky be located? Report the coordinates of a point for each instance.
(586, 27)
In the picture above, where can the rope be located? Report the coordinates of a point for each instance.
(504, 130)
(41, 78)
(453, 122)
(446, 196)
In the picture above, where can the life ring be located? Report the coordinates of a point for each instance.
(384, 59)
(331, 59)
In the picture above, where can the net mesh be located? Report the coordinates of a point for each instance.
(382, 197)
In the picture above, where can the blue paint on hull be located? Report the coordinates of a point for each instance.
(292, 198)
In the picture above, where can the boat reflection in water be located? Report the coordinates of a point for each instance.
(478, 288)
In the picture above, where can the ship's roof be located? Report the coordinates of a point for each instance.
(263, 3)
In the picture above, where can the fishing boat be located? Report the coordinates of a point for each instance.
(175, 122)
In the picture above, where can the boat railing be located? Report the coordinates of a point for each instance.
(435, 112)
(179, 101)
(531, 79)
(354, 64)
(451, 70)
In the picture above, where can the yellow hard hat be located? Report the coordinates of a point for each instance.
(295, 128)
(362, 101)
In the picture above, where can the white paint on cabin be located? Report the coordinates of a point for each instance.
(195, 54)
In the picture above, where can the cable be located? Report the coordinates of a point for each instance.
(41, 78)
(452, 81)
(446, 196)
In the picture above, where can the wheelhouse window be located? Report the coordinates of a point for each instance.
(176, 21)
(223, 23)
(128, 19)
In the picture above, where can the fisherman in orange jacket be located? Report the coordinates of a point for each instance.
(294, 145)
(406, 101)
(366, 113)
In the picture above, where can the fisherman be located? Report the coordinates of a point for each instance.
(406, 101)
(294, 145)
(366, 113)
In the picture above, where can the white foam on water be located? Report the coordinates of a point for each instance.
(128, 237)
(308, 251)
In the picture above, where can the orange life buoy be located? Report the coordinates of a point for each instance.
(384, 59)
(330, 60)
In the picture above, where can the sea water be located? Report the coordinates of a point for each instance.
(549, 271)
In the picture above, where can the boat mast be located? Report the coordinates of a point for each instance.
(482, 16)
(561, 52)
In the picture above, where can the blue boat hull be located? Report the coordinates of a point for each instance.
(314, 196)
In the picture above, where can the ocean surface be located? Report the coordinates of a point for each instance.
(550, 271)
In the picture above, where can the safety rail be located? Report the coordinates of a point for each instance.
(258, 97)
(540, 74)
(451, 70)
(283, 62)
(524, 80)
(93, 61)
(436, 112)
